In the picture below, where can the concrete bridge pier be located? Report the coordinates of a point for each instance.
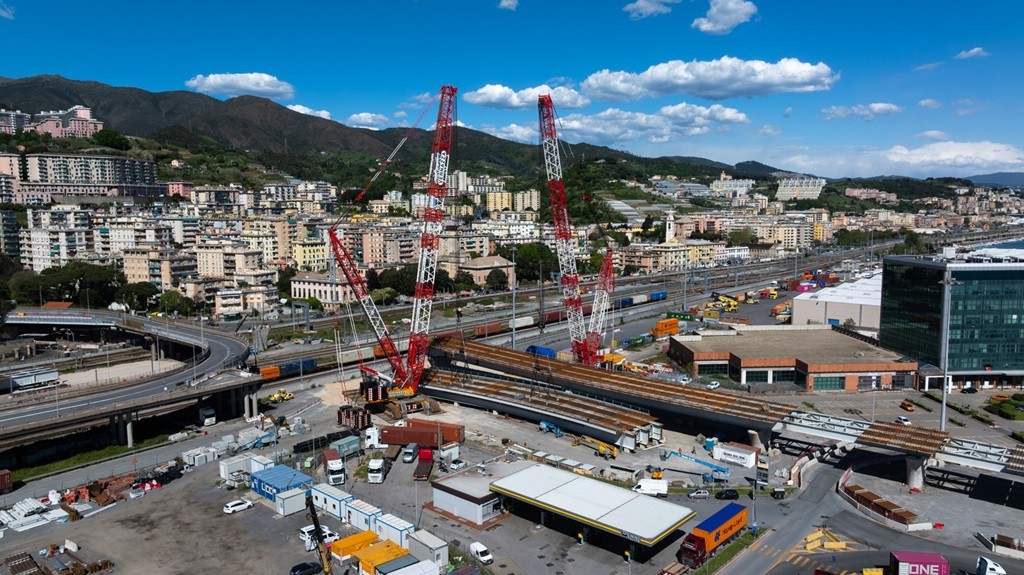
(760, 438)
(915, 470)
(129, 435)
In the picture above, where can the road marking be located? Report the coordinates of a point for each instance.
(790, 557)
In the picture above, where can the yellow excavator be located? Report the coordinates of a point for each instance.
(281, 395)
(605, 450)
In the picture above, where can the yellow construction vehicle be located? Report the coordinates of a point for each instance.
(281, 395)
(605, 450)
(317, 539)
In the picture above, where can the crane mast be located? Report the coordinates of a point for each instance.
(602, 300)
(406, 377)
(564, 243)
(430, 238)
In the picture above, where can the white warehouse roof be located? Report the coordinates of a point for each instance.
(639, 518)
(862, 292)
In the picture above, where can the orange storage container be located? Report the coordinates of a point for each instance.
(270, 372)
(378, 554)
(349, 545)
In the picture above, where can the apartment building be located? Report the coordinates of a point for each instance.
(44, 248)
(10, 244)
(49, 175)
(332, 292)
(8, 188)
(76, 122)
(12, 122)
(180, 189)
(112, 239)
(10, 164)
(225, 259)
(310, 254)
(526, 200)
(161, 266)
(728, 187)
(222, 200)
(799, 189)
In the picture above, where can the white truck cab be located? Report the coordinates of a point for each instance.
(480, 553)
(987, 566)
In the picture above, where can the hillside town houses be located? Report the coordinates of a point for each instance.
(224, 245)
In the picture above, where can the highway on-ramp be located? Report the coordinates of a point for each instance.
(223, 351)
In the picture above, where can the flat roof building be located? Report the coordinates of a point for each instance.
(859, 301)
(813, 357)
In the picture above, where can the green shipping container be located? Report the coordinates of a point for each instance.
(680, 315)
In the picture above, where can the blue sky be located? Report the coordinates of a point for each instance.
(834, 88)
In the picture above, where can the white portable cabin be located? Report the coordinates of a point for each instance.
(259, 463)
(360, 514)
(291, 501)
(425, 546)
(330, 499)
(394, 528)
(233, 464)
(421, 568)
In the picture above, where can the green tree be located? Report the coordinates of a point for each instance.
(111, 139)
(402, 280)
(497, 280)
(630, 269)
(284, 282)
(743, 237)
(315, 304)
(173, 302)
(530, 258)
(384, 296)
(372, 280)
(464, 281)
(136, 295)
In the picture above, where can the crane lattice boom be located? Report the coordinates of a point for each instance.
(430, 238)
(565, 245)
(602, 300)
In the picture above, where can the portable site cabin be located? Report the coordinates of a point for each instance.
(330, 500)
(233, 464)
(278, 479)
(259, 463)
(424, 545)
(361, 515)
(394, 528)
(291, 501)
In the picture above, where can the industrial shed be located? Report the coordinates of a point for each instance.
(860, 301)
(467, 494)
(637, 518)
(278, 479)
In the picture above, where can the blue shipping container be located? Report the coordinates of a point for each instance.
(542, 351)
(298, 367)
(659, 295)
(624, 302)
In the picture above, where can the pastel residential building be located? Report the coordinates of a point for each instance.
(310, 254)
(180, 189)
(799, 189)
(224, 260)
(161, 266)
(331, 291)
(76, 121)
(12, 122)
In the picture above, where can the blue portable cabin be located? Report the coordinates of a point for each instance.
(542, 351)
(277, 479)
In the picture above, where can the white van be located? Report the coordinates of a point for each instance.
(480, 553)
(655, 487)
(410, 452)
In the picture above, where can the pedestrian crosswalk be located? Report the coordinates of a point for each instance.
(798, 557)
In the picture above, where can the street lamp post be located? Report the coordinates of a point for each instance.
(514, 282)
(947, 287)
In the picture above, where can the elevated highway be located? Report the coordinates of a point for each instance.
(449, 353)
(56, 411)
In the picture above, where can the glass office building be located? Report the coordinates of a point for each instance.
(985, 324)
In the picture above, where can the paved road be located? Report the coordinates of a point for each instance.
(222, 348)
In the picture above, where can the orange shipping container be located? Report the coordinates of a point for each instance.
(348, 545)
(270, 372)
(378, 554)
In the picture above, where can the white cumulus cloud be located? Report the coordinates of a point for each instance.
(976, 52)
(6, 11)
(958, 155)
(724, 15)
(498, 96)
(644, 8)
(310, 111)
(252, 83)
(787, 112)
(614, 126)
(866, 111)
(367, 120)
(726, 77)
(508, 4)
(929, 103)
(928, 66)
(933, 135)
(770, 130)
(399, 114)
